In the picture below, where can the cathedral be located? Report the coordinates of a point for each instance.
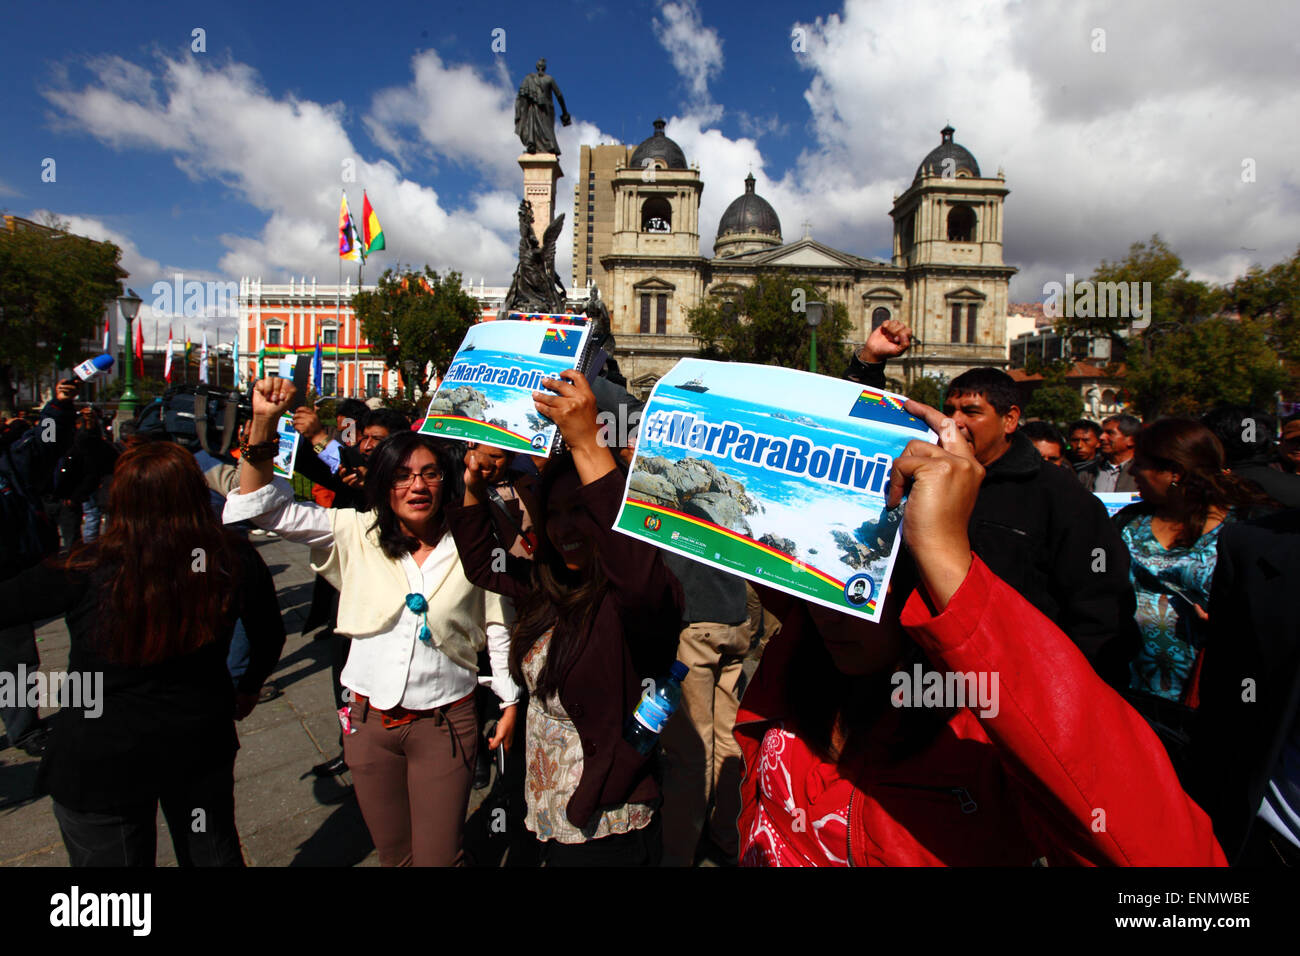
(637, 236)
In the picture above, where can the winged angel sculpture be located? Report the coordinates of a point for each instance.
(536, 287)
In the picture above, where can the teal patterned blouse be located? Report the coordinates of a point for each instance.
(1167, 582)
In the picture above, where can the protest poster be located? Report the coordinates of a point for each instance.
(487, 394)
(282, 466)
(1115, 501)
(776, 475)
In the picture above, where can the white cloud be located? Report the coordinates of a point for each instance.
(1100, 149)
(695, 50)
(455, 114)
(283, 156)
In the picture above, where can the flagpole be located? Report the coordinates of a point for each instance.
(338, 329)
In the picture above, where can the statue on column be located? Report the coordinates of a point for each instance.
(534, 114)
(536, 286)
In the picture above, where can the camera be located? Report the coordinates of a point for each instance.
(198, 417)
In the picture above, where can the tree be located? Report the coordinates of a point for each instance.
(767, 324)
(930, 389)
(53, 287)
(1196, 366)
(416, 319)
(1055, 400)
(1273, 297)
(1175, 298)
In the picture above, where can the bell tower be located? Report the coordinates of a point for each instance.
(657, 201)
(948, 241)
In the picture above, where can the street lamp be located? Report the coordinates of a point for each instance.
(814, 313)
(129, 306)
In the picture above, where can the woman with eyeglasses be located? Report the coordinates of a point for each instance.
(416, 625)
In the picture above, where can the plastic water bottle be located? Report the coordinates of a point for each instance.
(656, 706)
(92, 367)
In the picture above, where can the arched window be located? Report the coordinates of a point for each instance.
(907, 235)
(656, 215)
(879, 316)
(961, 224)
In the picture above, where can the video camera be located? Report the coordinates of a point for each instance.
(197, 416)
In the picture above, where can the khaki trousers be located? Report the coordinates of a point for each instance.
(700, 756)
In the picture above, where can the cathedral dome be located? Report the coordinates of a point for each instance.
(659, 147)
(749, 217)
(962, 160)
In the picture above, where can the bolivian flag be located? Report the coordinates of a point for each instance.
(372, 232)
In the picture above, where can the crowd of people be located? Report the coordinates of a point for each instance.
(478, 604)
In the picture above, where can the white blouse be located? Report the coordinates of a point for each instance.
(393, 667)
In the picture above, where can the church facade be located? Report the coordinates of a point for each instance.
(637, 234)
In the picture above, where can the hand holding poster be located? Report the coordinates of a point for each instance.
(487, 394)
(774, 474)
(282, 466)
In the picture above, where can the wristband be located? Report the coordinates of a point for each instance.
(262, 451)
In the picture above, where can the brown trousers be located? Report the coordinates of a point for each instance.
(701, 758)
(413, 782)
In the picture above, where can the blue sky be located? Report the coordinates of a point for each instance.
(227, 162)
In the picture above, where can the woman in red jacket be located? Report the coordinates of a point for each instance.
(854, 757)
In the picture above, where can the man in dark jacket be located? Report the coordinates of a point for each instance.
(1034, 525)
(32, 461)
(1247, 438)
(93, 459)
(1245, 749)
(1041, 532)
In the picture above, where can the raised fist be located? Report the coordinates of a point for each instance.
(271, 397)
(890, 340)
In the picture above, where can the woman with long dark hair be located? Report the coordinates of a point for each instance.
(963, 729)
(151, 606)
(598, 614)
(1172, 536)
(416, 624)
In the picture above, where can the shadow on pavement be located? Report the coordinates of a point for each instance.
(342, 840)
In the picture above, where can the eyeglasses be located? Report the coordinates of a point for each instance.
(403, 479)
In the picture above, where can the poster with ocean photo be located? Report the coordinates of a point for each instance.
(776, 475)
(487, 394)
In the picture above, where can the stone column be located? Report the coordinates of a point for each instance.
(541, 172)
